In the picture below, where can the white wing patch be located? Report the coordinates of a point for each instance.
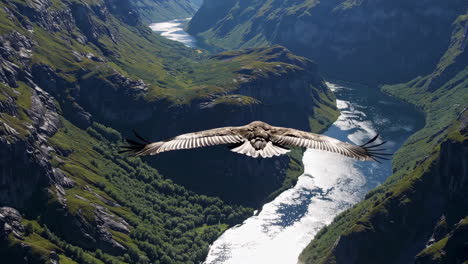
(268, 151)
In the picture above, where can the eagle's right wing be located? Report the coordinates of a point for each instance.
(217, 136)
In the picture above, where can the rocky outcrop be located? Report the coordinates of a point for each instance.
(85, 229)
(451, 248)
(11, 226)
(25, 159)
(10, 223)
(15, 52)
(116, 98)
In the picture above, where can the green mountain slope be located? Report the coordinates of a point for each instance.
(71, 70)
(363, 41)
(418, 213)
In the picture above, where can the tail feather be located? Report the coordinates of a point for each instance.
(268, 151)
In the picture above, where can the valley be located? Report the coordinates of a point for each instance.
(77, 76)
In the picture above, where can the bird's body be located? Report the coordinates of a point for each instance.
(257, 139)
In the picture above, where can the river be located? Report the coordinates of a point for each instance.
(174, 30)
(330, 183)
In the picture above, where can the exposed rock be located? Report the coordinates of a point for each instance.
(81, 228)
(10, 223)
(79, 116)
(450, 249)
(49, 80)
(42, 13)
(107, 220)
(46, 78)
(62, 179)
(54, 258)
(15, 50)
(115, 98)
(44, 113)
(25, 162)
(8, 106)
(88, 234)
(93, 57)
(107, 201)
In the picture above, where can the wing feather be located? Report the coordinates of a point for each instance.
(218, 136)
(293, 137)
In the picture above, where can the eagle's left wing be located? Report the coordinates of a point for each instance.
(294, 137)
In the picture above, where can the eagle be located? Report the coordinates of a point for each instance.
(257, 140)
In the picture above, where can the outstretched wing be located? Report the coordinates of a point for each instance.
(217, 136)
(293, 137)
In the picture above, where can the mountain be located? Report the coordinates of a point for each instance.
(76, 75)
(355, 40)
(152, 11)
(419, 215)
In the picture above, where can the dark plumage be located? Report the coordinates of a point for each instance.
(257, 139)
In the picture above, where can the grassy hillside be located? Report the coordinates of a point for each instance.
(396, 221)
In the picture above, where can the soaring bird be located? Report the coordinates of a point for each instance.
(257, 139)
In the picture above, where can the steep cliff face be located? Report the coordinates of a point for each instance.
(449, 249)
(418, 214)
(364, 41)
(67, 68)
(23, 140)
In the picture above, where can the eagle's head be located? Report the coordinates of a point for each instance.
(260, 124)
